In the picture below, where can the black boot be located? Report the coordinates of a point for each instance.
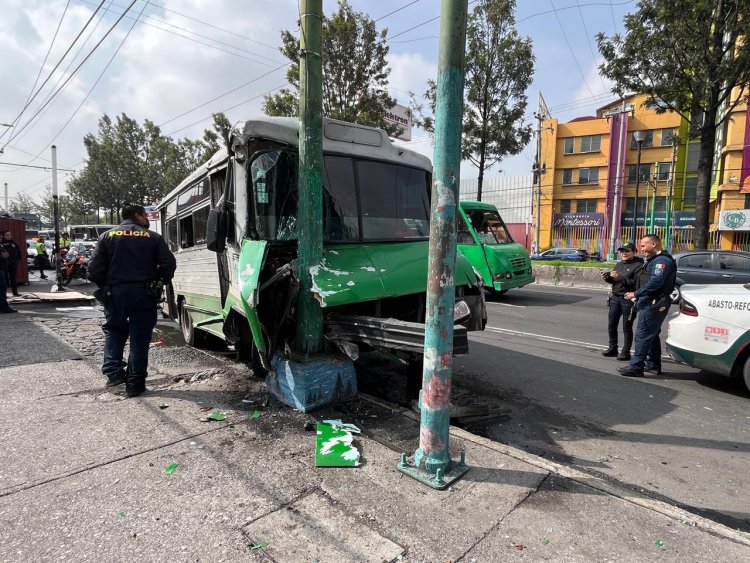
(135, 387)
(623, 356)
(610, 352)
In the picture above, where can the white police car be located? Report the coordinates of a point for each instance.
(712, 331)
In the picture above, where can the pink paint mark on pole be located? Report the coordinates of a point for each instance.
(436, 394)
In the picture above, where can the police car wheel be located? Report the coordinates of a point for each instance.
(675, 295)
(746, 373)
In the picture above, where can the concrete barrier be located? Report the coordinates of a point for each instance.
(571, 276)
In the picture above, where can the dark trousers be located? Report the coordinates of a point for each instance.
(3, 287)
(41, 261)
(130, 312)
(620, 307)
(647, 342)
(12, 270)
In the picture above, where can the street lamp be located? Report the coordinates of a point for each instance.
(639, 137)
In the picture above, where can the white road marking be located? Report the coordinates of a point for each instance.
(542, 337)
(506, 305)
(554, 339)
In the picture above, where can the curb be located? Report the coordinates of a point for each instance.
(584, 479)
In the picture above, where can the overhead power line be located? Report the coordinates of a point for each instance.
(18, 131)
(112, 58)
(52, 72)
(254, 57)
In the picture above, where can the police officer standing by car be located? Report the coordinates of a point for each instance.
(653, 300)
(624, 278)
(130, 265)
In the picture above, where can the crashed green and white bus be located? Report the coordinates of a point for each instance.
(232, 227)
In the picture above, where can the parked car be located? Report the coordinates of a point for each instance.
(712, 331)
(570, 254)
(711, 267)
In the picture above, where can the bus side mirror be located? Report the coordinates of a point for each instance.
(216, 230)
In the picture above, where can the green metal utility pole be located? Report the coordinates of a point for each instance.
(310, 186)
(432, 463)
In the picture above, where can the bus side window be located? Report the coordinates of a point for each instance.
(463, 234)
(186, 232)
(172, 235)
(200, 219)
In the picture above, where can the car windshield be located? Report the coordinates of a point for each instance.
(489, 226)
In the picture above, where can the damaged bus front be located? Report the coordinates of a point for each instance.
(233, 226)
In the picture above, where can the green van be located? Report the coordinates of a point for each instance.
(486, 243)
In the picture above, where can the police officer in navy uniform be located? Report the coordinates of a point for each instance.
(653, 300)
(624, 278)
(129, 265)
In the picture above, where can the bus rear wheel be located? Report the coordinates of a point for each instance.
(189, 333)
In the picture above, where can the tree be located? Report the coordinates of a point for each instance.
(687, 56)
(355, 71)
(499, 69)
(218, 137)
(23, 203)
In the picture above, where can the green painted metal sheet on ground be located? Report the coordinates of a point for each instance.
(334, 444)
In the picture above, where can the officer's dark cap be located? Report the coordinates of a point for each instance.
(627, 248)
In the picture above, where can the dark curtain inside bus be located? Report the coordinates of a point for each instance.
(393, 200)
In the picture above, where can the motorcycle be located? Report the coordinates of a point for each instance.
(74, 266)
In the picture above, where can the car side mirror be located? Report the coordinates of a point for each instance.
(216, 230)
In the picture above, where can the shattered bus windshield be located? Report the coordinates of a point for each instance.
(489, 227)
(362, 199)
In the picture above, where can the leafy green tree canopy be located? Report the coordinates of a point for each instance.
(355, 71)
(132, 163)
(499, 70)
(688, 57)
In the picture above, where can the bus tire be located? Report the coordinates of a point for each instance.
(189, 332)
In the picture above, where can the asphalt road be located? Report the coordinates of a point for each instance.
(683, 436)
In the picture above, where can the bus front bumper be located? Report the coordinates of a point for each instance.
(510, 283)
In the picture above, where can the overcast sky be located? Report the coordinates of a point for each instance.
(176, 62)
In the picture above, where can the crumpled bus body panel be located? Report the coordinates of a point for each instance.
(365, 272)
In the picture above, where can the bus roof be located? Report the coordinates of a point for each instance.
(477, 205)
(339, 137)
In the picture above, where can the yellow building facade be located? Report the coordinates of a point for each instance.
(590, 176)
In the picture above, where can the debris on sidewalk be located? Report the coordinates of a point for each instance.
(214, 415)
(170, 468)
(334, 444)
(255, 546)
(255, 414)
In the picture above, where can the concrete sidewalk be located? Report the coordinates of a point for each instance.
(83, 478)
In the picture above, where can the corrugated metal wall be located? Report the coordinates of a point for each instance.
(512, 195)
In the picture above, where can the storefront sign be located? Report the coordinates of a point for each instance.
(578, 220)
(680, 219)
(735, 220)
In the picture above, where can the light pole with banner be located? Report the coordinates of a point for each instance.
(638, 137)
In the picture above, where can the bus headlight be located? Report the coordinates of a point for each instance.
(461, 311)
